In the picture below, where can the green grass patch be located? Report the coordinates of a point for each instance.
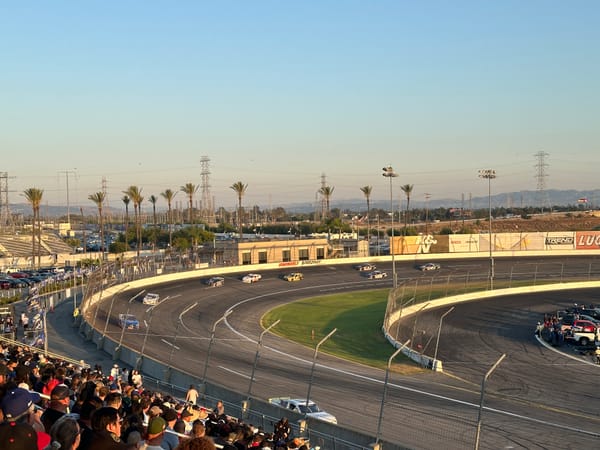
(357, 316)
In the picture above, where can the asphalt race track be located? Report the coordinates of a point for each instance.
(537, 398)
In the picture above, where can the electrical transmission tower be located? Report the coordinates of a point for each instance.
(5, 216)
(540, 176)
(105, 203)
(206, 211)
(323, 201)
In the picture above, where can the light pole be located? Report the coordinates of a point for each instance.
(437, 341)
(256, 356)
(485, 378)
(212, 338)
(427, 197)
(179, 320)
(489, 174)
(385, 385)
(388, 172)
(312, 370)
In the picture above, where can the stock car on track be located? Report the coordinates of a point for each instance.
(151, 299)
(251, 278)
(429, 266)
(376, 275)
(129, 322)
(366, 267)
(293, 276)
(215, 281)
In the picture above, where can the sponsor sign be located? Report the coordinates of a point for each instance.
(459, 243)
(310, 261)
(288, 263)
(560, 240)
(587, 240)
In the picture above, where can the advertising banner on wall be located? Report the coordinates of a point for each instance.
(410, 245)
(559, 240)
(461, 243)
(518, 241)
(587, 240)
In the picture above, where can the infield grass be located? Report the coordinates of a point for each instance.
(358, 317)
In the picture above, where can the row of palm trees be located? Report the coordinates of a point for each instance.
(133, 194)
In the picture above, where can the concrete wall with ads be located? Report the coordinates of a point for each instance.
(559, 240)
(587, 240)
(410, 245)
(518, 241)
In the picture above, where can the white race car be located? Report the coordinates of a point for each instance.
(376, 275)
(251, 278)
(429, 266)
(151, 299)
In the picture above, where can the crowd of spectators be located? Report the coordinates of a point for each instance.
(51, 404)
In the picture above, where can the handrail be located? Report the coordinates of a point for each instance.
(53, 355)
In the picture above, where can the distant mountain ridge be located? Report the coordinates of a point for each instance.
(520, 199)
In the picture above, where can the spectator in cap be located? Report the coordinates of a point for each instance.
(18, 407)
(170, 440)
(64, 434)
(18, 436)
(57, 407)
(155, 433)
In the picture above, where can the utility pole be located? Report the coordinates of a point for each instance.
(67, 173)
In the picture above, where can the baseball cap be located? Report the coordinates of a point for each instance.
(156, 425)
(17, 402)
(18, 436)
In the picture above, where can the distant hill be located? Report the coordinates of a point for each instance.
(552, 197)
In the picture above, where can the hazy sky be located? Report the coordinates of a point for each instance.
(277, 93)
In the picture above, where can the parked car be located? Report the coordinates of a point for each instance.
(293, 276)
(429, 266)
(583, 325)
(129, 322)
(151, 299)
(376, 275)
(251, 278)
(215, 281)
(365, 267)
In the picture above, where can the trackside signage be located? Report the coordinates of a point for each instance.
(587, 240)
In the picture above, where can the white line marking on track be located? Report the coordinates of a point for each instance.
(236, 373)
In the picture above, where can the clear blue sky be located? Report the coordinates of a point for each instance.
(277, 93)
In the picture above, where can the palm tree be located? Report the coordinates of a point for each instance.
(240, 190)
(126, 200)
(98, 198)
(327, 192)
(189, 189)
(367, 191)
(135, 194)
(153, 199)
(407, 189)
(168, 195)
(34, 197)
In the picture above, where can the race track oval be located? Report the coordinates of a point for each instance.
(531, 382)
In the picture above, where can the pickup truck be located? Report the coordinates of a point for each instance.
(582, 337)
(300, 406)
